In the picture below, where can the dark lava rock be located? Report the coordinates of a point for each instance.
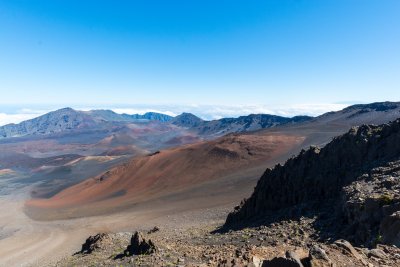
(153, 230)
(139, 246)
(93, 243)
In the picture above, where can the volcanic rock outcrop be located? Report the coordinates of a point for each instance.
(139, 245)
(359, 171)
(95, 242)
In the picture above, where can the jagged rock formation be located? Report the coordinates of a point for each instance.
(139, 246)
(94, 243)
(360, 170)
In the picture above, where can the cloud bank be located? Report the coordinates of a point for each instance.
(19, 116)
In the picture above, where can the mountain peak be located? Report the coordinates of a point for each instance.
(187, 120)
(65, 119)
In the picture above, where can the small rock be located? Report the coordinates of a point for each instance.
(291, 260)
(349, 249)
(377, 253)
(153, 230)
(319, 258)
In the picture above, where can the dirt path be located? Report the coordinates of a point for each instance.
(24, 242)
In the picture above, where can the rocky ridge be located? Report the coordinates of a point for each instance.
(353, 181)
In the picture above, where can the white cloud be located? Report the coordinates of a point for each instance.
(16, 118)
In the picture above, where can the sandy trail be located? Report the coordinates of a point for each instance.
(24, 242)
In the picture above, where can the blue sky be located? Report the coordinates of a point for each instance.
(271, 54)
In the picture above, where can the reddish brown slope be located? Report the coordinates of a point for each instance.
(174, 170)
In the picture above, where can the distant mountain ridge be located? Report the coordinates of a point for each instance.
(53, 122)
(109, 115)
(68, 119)
(251, 122)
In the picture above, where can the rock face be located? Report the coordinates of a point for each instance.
(139, 246)
(359, 170)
